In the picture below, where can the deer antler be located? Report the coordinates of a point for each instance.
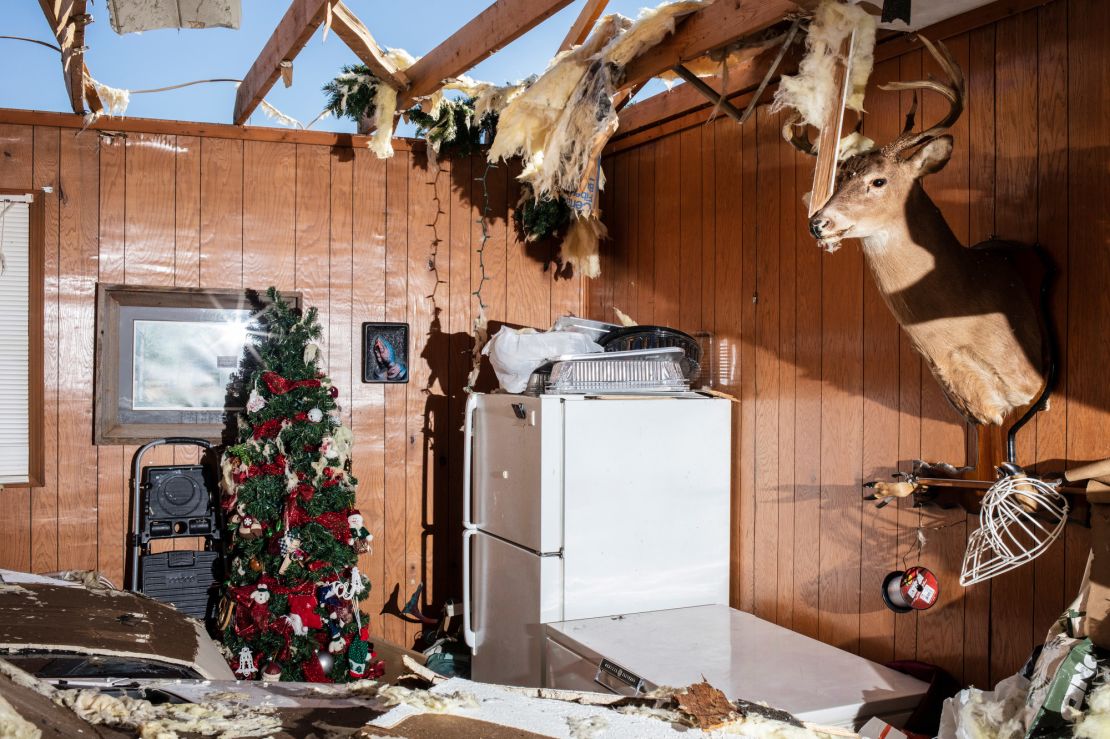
(795, 132)
(954, 93)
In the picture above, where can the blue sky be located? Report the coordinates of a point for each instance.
(159, 58)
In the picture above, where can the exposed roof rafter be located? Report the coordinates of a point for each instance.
(67, 20)
(715, 26)
(348, 27)
(583, 24)
(501, 23)
(292, 33)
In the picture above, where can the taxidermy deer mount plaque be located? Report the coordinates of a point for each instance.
(967, 311)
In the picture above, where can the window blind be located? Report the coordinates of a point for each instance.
(15, 239)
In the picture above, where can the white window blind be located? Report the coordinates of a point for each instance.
(15, 239)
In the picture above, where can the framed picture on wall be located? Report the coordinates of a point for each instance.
(167, 360)
(385, 352)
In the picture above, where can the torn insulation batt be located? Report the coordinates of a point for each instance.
(813, 89)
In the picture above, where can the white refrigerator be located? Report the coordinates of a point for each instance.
(578, 507)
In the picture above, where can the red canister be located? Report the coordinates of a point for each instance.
(915, 589)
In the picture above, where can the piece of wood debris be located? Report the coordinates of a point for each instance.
(707, 706)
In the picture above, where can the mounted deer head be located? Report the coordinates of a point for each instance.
(966, 310)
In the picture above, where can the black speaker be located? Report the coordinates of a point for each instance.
(177, 502)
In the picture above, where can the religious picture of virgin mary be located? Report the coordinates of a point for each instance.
(385, 352)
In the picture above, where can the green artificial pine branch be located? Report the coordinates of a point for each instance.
(287, 493)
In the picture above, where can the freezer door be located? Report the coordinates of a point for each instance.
(647, 505)
(513, 592)
(517, 470)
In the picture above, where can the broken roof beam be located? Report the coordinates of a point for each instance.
(349, 28)
(718, 25)
(292, 33)
(496, 26)
(67, 20)
(583, 24)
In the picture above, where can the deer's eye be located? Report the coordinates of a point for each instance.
(878, 182)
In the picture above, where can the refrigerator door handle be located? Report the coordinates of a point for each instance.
(468, 454)
(469, 635)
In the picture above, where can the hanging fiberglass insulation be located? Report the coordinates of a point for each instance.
(811, 91)
(385, 106)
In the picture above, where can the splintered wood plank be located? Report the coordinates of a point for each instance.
(1088, 438)
(880, 414)
(79, 197)
(1016, 219)
(269, 214)
(667, 235)
(841, 447)
(495, 27)
(529, 289)
(427, 403)
(221, 213)
(348, 27)
(789, 216)
(807, 413)
(293, 31)
(765, 342)
(367, 399)
(44, 500)
(689, 244)
(980, 116)
(396, 433)
(583, 24)
(113, 502)
(746, 447)
(728, 275)
(1050, 570)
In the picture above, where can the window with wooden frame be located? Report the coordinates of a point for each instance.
(21, 339)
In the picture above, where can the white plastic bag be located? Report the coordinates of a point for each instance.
(515, 355)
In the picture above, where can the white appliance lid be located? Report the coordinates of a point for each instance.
(747, 658)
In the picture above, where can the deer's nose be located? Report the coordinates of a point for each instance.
(817, 225)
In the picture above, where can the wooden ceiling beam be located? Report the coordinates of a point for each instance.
(498, 25)
(585, 22)
(67, 20)
(723, 23)
(349, 28)
(292, 33)
(744, 74)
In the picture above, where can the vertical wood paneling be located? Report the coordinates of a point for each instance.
(368, 400)
(113, 501)
(44, 500)
(221, 213)
(832, 393)
(79, 197)
(269, 213)
(766, 346)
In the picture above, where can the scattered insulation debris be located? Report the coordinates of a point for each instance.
(986, 714)
(580, 247)
(14, 726)
(706, 706)
(115, 100)
(1095, 724)
(425, 700)
(812, 90)
(623, 318)
(276, 115)
(225, 719)
(587, 727)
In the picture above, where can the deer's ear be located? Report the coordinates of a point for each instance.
(932, 157)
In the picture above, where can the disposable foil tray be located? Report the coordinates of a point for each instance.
(642, 371)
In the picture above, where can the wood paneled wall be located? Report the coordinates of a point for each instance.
(708, 233)
(360, 238)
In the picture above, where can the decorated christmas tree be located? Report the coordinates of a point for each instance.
(290, 608)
